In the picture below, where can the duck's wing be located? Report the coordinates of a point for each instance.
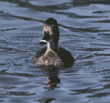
(66, 57)
(38, 54)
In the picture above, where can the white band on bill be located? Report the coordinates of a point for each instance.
(43, 41)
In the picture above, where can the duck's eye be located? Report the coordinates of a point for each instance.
(53, 27)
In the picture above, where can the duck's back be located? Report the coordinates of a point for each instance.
(66, 57)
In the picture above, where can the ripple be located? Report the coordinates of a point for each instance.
(101, 11)
(100, 95)
(20, 93)
(8, 29)
(105, 34)
(102, 54)
(102, 21)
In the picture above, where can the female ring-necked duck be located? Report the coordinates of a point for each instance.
(52, 55)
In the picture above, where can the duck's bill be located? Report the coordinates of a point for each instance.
(45, 38)
(42, 42)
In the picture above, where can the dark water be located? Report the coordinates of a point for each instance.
(84, 31)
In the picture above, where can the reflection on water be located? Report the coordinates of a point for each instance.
(84, 31)
(52, 78)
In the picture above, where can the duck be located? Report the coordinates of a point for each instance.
(52, 55)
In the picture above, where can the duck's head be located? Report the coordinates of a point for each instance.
(51, 33)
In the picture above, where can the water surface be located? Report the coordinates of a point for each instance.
(84, 31)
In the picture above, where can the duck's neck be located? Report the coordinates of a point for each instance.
(53, 41)
(52, 45)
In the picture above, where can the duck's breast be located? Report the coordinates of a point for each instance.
(38, 54)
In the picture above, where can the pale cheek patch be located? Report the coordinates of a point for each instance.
(47, 28)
